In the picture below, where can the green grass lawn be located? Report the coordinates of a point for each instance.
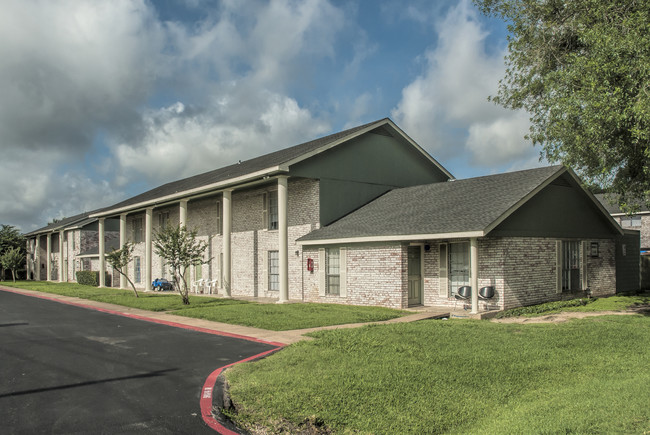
(458, 376)
(283, 317)
(146, 301)
(277, 317)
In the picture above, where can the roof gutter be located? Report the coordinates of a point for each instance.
(398, 238)
(193, 193)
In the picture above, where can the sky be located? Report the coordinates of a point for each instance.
(103, 100)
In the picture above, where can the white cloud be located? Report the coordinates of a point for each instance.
(449, 98)
(180, 142)
(70, 67)
(80, 76)
(37, 193)
(257, 50)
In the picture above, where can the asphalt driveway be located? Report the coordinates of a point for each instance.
(67, 369)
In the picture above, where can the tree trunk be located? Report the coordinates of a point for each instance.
(13, 274)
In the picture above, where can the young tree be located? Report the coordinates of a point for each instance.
(180, 249)
(581, 69)
(120, 259)
(12, 259)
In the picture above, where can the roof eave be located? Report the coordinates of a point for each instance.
(396, 238)
(221, 185)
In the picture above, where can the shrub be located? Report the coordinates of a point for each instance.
(544, 308)
(88, 277)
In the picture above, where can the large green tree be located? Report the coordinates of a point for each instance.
(12, 259)
(581, 68)
(11, 238)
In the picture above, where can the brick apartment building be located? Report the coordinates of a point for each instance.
(364, 217)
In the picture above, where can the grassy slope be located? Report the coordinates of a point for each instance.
(587, 376)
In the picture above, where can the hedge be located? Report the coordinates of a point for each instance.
(88, 277)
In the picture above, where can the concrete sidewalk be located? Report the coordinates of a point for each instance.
(278, 337)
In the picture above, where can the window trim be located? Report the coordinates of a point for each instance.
(273, 278)
(330, 274)
(137, 269)
(322, 273)
(219, 218)
(273, 222)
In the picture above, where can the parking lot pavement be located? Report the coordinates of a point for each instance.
(67, 369)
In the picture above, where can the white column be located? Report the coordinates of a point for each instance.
(102, 253)
(182, 214)
(122, 242)
(37, 259)
(226, 248)
(48, 260)
(61, 262)
(473, 261)
(29, 262)
(283, 241)
(147, 248)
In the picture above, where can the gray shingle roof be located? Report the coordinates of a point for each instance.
(63, 223)
(441, 208)
(614, 208)
(238, 169)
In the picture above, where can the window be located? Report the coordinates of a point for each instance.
(274, 271)
(570, 265)
(333, 271)
(137, 230)
(273, 210)
(631, 222)
(136, 270)
(163, 219)
(219, 219)
(458, 266)
(198, 271)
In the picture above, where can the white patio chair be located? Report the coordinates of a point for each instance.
(212, 286)
(198, 284)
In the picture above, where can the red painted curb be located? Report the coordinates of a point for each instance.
(208, 387)
(206, 395)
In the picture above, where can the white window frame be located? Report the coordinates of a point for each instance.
(137, 269)
(273, 265)
(333, 271)
(219, 219)
(270, 217)
(324, 288)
